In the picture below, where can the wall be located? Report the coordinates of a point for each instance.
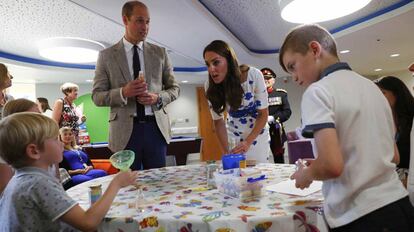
(183, 112)
(52, 91)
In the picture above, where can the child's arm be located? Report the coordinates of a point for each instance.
(90, 219)
(329, 163)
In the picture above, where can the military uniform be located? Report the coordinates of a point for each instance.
(279, 108)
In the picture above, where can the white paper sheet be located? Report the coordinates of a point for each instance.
(288, 187)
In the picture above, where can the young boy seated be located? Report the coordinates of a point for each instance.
(34, 200)
(353, 128)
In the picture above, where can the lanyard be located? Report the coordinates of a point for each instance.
(81, 159)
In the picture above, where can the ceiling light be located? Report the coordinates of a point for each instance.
(69, 49)
(377, 69)
(305, 11)
(89, 81)
(184, 81)
(344, 51)
(394, 55)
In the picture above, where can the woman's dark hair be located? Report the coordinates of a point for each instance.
(403, 115)
(229, 90)
(404, 100)
(44, 103)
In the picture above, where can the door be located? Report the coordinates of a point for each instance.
(211, 149)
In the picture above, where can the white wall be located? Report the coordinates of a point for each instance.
(183, 112)
(52, 91)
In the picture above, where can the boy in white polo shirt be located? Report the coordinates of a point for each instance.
(352, 124)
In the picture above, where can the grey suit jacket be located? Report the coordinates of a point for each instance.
(112, 73)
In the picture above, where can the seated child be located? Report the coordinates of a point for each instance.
(75, 161)
(34, 200)
(14, 106)
(352, 124)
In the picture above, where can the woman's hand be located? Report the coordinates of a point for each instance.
(87, 169)
(242, 147)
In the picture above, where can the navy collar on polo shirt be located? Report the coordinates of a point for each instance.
(333, 68)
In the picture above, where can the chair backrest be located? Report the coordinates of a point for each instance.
(299, 149)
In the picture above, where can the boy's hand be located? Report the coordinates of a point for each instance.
(301, 174)
(125, 178)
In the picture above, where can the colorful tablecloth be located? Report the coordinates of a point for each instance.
(179, 200)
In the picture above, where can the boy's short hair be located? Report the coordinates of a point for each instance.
(68, 87)
(19, 130)
(18, 105)
(299, 38)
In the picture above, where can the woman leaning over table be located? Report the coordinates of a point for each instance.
(241, 92)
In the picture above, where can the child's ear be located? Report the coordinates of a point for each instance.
(315, 48)
(32, 151)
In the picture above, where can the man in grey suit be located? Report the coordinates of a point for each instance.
(138, 119)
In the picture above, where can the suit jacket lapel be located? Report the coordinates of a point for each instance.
(121, 59)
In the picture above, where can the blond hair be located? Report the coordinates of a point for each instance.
(68, 87)
(18, 105)
(72, 145)
(19, 130)
(298, 40)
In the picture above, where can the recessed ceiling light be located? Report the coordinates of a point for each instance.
(89, 80)
(377, 69)
(69, 49)
(184, 81)
(344, 51)
(394, 55)
(305, 11)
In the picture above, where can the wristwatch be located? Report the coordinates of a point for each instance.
(159, 101)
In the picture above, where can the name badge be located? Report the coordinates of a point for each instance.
(275, 101)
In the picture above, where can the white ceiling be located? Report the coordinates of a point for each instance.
(185, 27)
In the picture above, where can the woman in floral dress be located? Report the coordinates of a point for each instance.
(64, 110)
(241, 92)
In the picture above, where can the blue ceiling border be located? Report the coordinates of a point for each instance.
(333, 31)
(25, 59)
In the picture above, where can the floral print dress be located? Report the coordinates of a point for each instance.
(69, 118)
(241, 122)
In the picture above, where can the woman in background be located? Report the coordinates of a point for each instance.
(75, 161)
(44, 107)
(402, 106)
(241, 92)
(6, 172)
(5, 82)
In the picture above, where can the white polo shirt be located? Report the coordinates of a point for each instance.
(358, 110)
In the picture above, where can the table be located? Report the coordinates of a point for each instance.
(180, 201)
(179, 147)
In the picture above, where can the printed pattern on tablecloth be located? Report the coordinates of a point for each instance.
(179, 200)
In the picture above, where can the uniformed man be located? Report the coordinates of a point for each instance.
(279, 112)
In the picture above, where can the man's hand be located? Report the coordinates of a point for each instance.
(134, 88)
(148, 98)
